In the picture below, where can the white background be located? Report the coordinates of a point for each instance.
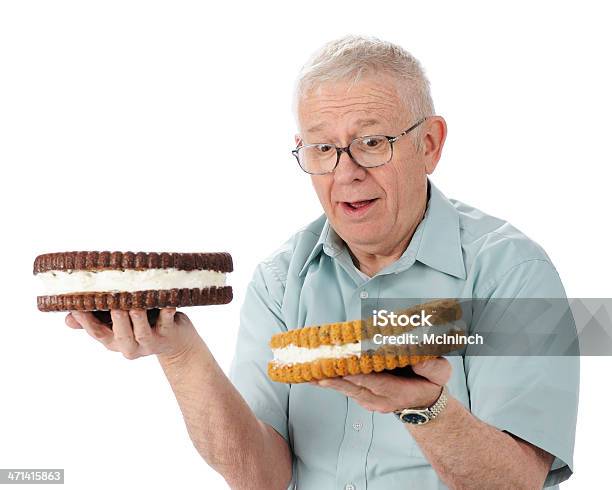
(167, 126)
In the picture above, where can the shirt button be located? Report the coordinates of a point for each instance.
(363, 294)
(350, 486)
(357, 426)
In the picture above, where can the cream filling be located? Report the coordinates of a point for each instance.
(292, 354)
(128, 280)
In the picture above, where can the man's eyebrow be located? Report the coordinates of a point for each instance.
(316, 127)
(363, 123)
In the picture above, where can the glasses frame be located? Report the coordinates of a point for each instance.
(339, 151)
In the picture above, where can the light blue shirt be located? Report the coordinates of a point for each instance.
(456, 251)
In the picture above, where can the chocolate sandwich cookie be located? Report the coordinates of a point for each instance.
(99, 281)
(340, 349)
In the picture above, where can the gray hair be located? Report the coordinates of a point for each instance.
(352, 57)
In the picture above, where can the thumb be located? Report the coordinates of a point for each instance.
(437, 370)
(166, 318)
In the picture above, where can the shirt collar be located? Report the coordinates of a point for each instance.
(328, 241)
(437, 239)
(440, 245)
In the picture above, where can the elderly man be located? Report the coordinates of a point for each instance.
(369, 138)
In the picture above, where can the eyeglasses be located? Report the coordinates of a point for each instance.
(368, 151)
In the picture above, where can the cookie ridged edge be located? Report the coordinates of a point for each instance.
(340, 366)
(105, 260)
(148, 299)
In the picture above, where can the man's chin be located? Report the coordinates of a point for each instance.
(360, 234)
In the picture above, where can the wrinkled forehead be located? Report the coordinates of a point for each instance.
(372, 104)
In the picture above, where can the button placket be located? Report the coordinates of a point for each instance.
(352, 455)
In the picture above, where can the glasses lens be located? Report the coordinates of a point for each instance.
(317, 159)
(371, 151)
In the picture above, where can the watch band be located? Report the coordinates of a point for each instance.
(420, 416)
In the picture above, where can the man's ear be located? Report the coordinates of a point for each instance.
(433, 142)
(298, 139)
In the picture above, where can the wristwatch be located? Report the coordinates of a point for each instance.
(420, 416)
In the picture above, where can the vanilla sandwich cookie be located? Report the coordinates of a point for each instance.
(355, 347)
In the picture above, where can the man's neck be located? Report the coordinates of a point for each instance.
(371, 263)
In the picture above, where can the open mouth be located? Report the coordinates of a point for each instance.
(357, 208)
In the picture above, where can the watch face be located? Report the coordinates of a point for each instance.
(414, 418)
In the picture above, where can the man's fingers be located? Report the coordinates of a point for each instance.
(86, 319)
(361, 395)
(166, 319)
(381, 384)
(143, 334)
(386, 385)
(71, 321)
(93, 327)
(124, 335)
(437, 370)
(346, 387)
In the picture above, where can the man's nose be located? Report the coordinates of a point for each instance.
(348, 170)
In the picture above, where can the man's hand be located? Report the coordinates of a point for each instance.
(384, 392)
(172, 336)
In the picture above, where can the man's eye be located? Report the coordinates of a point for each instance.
(324, 148)
(371, 142)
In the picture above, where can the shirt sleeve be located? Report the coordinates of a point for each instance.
(534, 397)
(260, 318)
